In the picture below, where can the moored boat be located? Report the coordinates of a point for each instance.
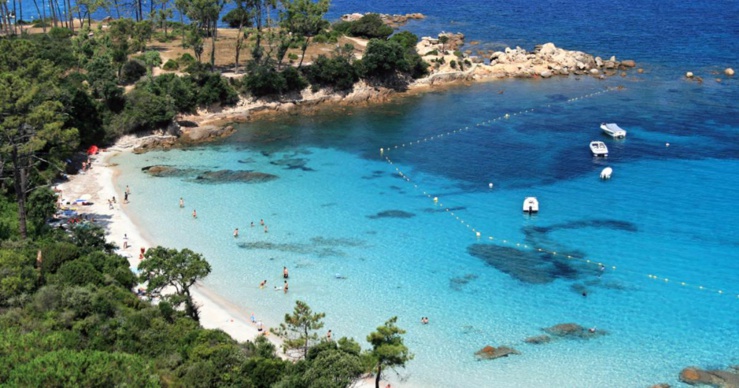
(530, 205)
(613, 130)
(598, 148)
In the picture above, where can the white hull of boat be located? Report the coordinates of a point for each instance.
(598, 148)
(613, 130)
(530, 205)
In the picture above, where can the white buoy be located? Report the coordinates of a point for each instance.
(490, 185)
(606, 173)
(436, 199)
(667, 144)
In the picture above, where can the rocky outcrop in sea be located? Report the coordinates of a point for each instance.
(547, 60)
(394, 21)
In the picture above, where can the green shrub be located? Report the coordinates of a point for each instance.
(237, 17)
(171, 65)
(186, 60)
(214, 88)
(433, 52)
(59, 33)
(144, 111)
(453, 64)
(383, 59)
(336, 72)
(370, 26)
(183, 91)
(56, 254)
(329, 36)
(263, 80)
(79, 273)
(132, 71)
(341, 27)
(87, 368)
(294, 82)
(419, 67)
(406, 39)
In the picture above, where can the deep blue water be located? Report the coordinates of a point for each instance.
(665, 227)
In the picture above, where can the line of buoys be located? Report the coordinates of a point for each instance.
(601, 265)
(482, 123)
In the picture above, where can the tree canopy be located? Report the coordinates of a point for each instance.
(168, 267)
(388, 349)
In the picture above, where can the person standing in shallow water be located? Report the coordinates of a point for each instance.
(182, 202)
(236, 232)
(284, 273)
(194, 213)
(284, 288)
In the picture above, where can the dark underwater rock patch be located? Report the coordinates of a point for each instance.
(602, 224)
(227, 176)
(375, 174)
(392, 214)
(573, 331)
(457, 283)
(201, 176)
(531, 267)
(292, 163)
(491, 353)
(319, 246)
(162, 171)
(442, 210)
(337, 242)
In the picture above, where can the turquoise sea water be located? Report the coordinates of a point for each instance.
(340, 207)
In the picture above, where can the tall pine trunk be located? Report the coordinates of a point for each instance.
(20, 183)
(213, 34)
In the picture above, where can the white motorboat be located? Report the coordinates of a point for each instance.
(598, 148)
(613, 130)
(530, 205)
(606, 173)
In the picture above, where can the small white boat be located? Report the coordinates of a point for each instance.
(606, 173)
(530, 205)
(613, 130)
(598, 148)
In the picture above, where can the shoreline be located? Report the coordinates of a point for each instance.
(101, 183)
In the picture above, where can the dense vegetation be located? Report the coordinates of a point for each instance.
(69, 314)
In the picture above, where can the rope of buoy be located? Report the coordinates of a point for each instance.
(506, 116)
(601, 264)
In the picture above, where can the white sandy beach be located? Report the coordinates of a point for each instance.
(100, 184)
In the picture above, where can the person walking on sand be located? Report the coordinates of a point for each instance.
(284, 273)
(194, 213)
(128, 190)
(182, 202)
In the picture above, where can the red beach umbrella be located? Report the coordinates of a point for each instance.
(92, 150)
